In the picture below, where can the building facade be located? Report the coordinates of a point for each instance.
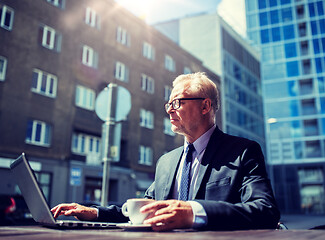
(224, 51)
(291, 38)
(56, 56)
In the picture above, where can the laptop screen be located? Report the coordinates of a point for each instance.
(32, 193)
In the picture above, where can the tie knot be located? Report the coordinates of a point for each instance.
(190, 150)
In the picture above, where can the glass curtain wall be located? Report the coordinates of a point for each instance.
(291, 38)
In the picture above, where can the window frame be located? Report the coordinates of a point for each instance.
(51, 39)
(4, 11)
(89, 57)
(187, 70)
(50, 80)
(3, 70)
(121, 72)
(57, 3)
(167, 92)
(147, 84)
(148, 51)
(92, 18)
(145, 155)
(146, 119)
(170, 63)
(85, 97)
(84, 144)
(44, 135)
(122, 36)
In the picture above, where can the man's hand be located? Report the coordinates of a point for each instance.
(168, 215)
(74, 209)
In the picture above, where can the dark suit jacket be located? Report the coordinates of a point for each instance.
(232, 184)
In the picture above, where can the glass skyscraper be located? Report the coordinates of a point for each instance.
(291, 38)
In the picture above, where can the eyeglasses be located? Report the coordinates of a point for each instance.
(176, 103)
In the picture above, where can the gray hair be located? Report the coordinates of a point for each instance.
(199, 83)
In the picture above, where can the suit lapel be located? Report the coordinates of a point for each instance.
(210, 150)
(174, 160)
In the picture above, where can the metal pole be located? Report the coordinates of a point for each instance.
(106, 132)
(106, 165)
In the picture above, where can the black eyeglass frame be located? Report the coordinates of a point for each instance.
(176, 103)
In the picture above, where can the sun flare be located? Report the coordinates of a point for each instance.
(142, 8)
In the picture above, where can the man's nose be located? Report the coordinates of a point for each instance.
(170, 108)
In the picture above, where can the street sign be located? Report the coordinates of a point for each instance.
(75, 176)
(105, 108)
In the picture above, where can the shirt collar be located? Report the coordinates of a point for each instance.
(201, 143)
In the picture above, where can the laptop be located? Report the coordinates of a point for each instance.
(35, 200)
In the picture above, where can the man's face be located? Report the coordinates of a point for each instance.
(186, 119)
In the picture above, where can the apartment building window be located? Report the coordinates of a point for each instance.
(306, 66)
(146, 119)
(300, 11)
(322, 106)
(316, 10)
(316, 45)
(306, 86)
(167, 93)
(89, 57)
(122, 36)
(302, 29)
(278, 52)
(311, 127)
(38, 133)
(148, 51)
(57, 3)
(318, 65)
(298, 150)
(187, 70)
(145, 155)
(254, 35)
(288, 32)
(276, 34)
(167, 127)
(313, 25)
(147, 84)
(85, 97)
(312, 190)
(6, 17)
(290, 50)
(169, 63)
(313, 149)
(265, 37)
(3, 68)
(286, 14)
(312, 175)
(44, 83)
(292, 69)
(321, 84)
(121, 72)
(304, 48)
(263, 19)
(51, 39)
(308, 106)
(252, 20)
(267, 55)
(92, 18)
(85, 144)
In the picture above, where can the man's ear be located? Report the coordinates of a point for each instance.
(206, 105)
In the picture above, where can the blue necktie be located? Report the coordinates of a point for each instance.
(186, 174)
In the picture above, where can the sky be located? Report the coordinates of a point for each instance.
(155, 11)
